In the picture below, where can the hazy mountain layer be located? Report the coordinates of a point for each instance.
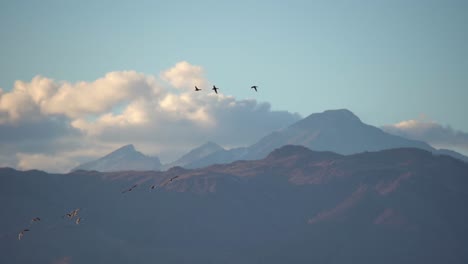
(339, 131)
(195, 154)
(122, 159)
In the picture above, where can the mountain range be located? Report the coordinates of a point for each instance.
(403, 205)
(124, 158)
(338, 131)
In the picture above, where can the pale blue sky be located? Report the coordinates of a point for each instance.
(387, 61)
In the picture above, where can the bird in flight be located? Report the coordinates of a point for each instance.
(130, 189)
(166, 182)
(215, 89)
(75, 212)
(35, 219)
(254, 87)
(197, 89)
(21, 234)
(175, 177)
(78, 220)
(153, 186)
(72, 213)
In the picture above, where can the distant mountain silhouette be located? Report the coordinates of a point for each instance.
(296, 205)
(451, 153)
(219, 157)
(123, 159)
(339, 131)
(195, 154)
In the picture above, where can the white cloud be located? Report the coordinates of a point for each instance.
(75, 100)
(188, 106)
(122, 108)
(135, 114)
(185, 75)
(101, 95)
(56, 163)
(431, 132)
(17, 104)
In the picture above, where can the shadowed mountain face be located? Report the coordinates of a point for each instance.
(294, 206)
(339, 131)
(123, 159)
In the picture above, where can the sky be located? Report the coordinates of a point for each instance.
(81, 78)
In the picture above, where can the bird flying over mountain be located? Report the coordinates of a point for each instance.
(215, 89)
(197, 89)
(254, 87)
(173, 178)
(166, 182)
(130, 189)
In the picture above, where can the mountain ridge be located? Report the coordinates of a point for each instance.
(295, 205)
(339, 131)
(123, 158)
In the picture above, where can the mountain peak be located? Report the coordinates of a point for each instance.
(341, 113)
(327, 118)
(127, 150)
(123, 158)
(339, 131)
(129, 147)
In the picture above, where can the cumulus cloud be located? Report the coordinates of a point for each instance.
(42, 95)
(43, 119)
(431, 132)
(185, 75)
(56, 163)
(19, 103)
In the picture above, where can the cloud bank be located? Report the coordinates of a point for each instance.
(54, 125)
(431, 132)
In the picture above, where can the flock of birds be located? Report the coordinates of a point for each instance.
(73, 215)
(215, 89)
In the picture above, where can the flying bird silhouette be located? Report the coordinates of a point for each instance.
(72, 213)
(78, 220)
(215, 89)
(21, 234)
(130, 189)
(166, 182)
(197, 89)
(35, 219)
(254, 87)
(173, 178)
(75, 212)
